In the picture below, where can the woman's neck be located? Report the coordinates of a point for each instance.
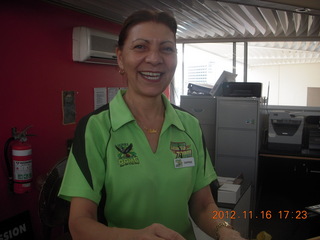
(145, 108)
(149, 115)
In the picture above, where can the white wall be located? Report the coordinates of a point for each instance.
(288, 83)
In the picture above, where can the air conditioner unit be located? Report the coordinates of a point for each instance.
(94, 46)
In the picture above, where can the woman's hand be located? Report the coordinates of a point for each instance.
(229, 234)
(156, 232)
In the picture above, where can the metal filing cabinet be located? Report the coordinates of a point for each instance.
(237, 138)
(203, 108)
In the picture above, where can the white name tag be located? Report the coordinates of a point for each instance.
(184, 162)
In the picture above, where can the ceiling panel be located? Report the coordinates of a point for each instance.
(229, 20)
(209, 19)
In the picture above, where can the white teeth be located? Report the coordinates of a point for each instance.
(151, 75)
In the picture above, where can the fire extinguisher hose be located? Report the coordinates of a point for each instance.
(7, 159)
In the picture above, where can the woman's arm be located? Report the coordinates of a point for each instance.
(202, 206)
(83, 224)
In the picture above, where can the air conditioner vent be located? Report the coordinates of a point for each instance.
(94, 46)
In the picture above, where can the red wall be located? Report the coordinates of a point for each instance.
(35, 67)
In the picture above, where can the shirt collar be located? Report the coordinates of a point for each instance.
(121, 115)
(171, 116)
(119, 111)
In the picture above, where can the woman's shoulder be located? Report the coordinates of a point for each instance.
(99, 115)
(184, 114)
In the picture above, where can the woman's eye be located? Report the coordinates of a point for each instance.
(139, 47)
(168, 49)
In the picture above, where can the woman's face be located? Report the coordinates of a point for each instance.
(149, 58)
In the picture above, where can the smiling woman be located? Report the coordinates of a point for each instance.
(145, 154)
(148, 59)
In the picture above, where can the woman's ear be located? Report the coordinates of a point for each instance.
(119, 57)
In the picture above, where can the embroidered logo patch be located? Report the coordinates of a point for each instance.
(181, 149)
(183, 155)
(126, 155)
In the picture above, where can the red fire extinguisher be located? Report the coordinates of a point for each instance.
(18, 156)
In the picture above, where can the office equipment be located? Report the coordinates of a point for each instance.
(237, 138)
(285, 131)
(312, 127)
(241, 89)
(204, 109)
(229, 193)
(199, 89)
(224, 77)
(314, 139)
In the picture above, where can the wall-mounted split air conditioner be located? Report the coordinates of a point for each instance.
(94, 46)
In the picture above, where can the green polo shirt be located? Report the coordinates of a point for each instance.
(110, 151)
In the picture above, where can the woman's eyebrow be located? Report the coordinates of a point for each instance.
(148, 41)
(140, 39)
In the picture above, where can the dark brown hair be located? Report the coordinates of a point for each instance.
(146, 16)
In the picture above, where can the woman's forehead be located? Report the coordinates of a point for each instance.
(151, 31)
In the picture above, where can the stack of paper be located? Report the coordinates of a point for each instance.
(223, 180)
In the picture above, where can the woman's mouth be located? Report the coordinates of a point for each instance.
(151, 76)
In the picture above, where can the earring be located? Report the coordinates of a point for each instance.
(121, 71)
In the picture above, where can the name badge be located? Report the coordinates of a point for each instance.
(184, 162)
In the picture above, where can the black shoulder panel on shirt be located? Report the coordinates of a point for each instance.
(179, 108)
(79, 144)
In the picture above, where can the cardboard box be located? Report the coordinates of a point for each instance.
(229, 193)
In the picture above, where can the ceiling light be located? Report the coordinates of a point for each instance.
(303, 10)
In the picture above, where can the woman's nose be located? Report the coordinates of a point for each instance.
(154, 57)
